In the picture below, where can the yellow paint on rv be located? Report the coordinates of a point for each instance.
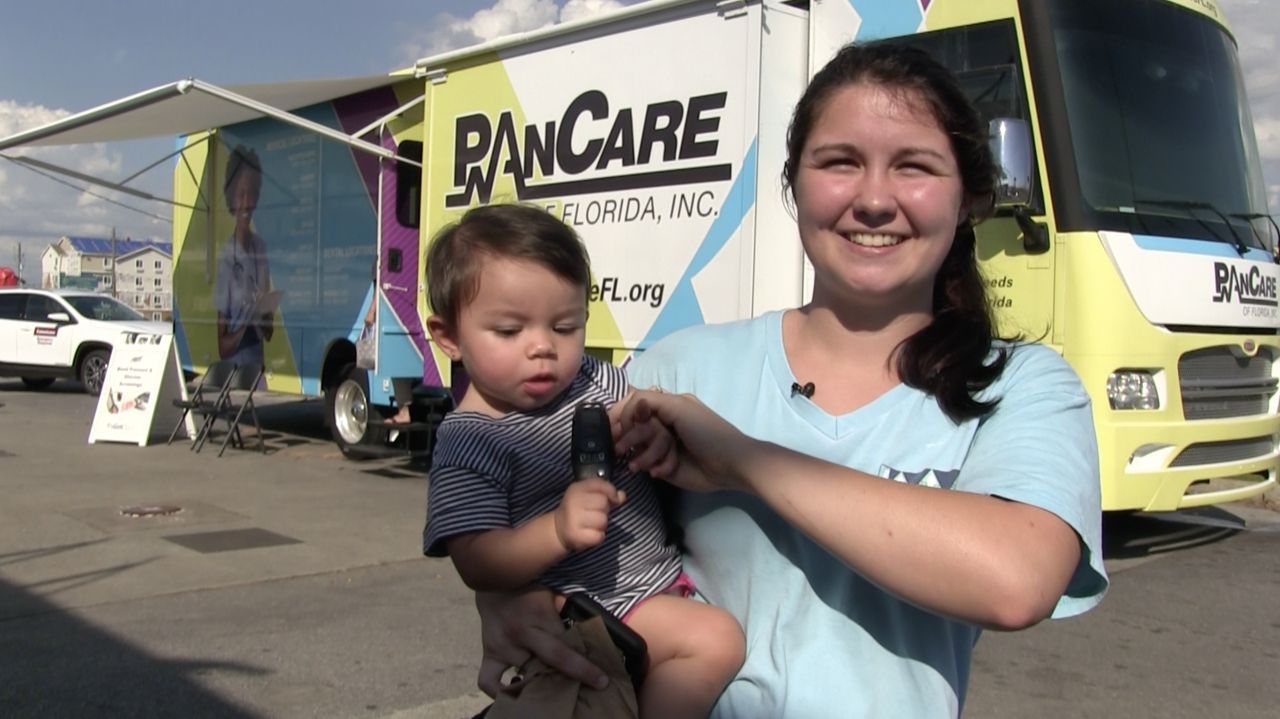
(480, 83)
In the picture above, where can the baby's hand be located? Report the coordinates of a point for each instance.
(583, 513)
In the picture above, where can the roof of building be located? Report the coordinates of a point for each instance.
(102, 245)
(160, 247)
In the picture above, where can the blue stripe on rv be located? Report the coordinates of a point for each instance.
(682, 309)
(886, 19)
(1198, 247)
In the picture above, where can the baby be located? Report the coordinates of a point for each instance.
(508, 287)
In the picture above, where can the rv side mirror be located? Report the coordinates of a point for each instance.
(1011, 148)
(58, 317)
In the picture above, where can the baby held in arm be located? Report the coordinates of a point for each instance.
(508, 287)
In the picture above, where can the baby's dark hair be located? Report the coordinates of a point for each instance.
(511, 231)
(243, 160)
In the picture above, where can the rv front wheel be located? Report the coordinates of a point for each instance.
(349, 411)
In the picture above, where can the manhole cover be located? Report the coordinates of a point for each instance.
(150, 510)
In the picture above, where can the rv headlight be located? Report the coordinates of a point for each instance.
(1132, 389)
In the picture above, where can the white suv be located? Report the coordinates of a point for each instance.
(47, 334)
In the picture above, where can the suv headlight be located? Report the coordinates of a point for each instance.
(1132, 389)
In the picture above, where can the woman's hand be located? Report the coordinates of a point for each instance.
(708, 450)
(517, 625)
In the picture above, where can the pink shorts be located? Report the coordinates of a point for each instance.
(682, 587)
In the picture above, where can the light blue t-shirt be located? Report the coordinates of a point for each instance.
(822, 641)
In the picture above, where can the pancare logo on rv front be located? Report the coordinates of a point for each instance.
(1247, 287)
(561, 149)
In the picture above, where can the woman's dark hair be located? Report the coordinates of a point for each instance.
(952, 358)
(518, 232)
(242, 160)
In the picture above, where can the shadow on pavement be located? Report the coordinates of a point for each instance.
(1126, 535)
(294, 417)
(53, 664)
(62, 386)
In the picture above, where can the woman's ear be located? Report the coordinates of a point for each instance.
(442, 334)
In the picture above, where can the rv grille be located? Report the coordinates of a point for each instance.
(1217, 384)
(1236, 450)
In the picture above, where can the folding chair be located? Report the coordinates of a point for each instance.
(247, 379)
(219, 408)
(200, 399)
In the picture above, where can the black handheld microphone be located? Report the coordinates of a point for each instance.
(805, 390)
(592, 442)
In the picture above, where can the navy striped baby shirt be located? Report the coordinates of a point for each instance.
(490, 473)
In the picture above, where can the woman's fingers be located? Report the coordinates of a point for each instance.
(517, 625)
(553, 652)
(490, 678)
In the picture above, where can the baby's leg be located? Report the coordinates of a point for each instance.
(694, 650)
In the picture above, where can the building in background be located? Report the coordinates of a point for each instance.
(144, 280)
(137, 272)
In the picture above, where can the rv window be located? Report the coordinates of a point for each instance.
(985, 60)
(409, 184)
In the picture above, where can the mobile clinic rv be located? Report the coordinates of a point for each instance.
(1132, 233)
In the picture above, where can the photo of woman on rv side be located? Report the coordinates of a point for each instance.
(244, 296)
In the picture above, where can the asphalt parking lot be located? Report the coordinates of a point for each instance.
(291, 584)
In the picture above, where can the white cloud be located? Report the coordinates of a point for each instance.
(579, 9)
(36, 210)
(504, 17)
(1257, 29)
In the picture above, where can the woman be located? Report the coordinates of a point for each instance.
(243, 278)
(894, 476)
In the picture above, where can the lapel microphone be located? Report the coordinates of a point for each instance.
(805, 390)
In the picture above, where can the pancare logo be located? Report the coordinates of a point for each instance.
(672, 130)
(1248, 287)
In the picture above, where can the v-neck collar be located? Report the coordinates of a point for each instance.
(832, 426)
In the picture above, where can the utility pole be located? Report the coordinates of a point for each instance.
(113, 262)
(22, 281)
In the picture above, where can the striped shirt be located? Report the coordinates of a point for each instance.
(491, 473)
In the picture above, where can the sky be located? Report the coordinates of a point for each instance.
(58, 57)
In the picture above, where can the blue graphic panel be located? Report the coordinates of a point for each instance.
(682, 309)
(886, 18)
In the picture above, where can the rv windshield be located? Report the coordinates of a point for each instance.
(1159, 123)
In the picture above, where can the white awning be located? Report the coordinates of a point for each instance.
(187, 106)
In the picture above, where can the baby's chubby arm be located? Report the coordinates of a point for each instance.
(509, 559)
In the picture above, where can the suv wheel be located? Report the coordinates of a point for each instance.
(93, 371)
(37, 382)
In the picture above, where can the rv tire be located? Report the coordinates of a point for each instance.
(348, 412)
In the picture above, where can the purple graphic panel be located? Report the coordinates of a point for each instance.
(356, 112)
(403, 296)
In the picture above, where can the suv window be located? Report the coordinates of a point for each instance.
(11, 304)
(39, 307)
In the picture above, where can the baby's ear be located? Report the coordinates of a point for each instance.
(442, 333)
